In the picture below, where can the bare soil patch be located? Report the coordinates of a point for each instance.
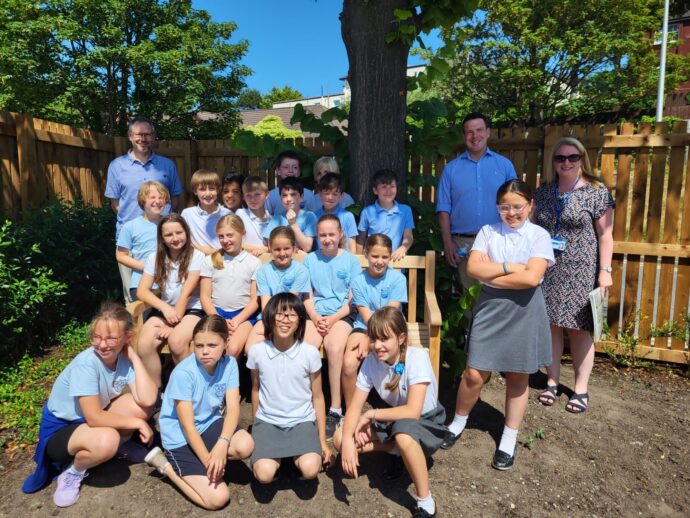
(629, 454)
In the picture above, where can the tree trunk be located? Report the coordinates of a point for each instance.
(378, 81)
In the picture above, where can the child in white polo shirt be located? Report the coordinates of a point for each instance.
(203, 218)
(255, 217)
(228, 283)
(287, 400)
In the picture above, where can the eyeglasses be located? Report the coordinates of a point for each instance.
(559, 159)
(109, 340)
(289, 317)
(143, 135)
(506, 208)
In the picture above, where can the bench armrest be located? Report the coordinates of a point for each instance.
(432, 313)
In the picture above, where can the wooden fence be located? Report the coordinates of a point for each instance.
(647, 168)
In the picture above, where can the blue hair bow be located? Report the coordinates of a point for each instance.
(399, 368)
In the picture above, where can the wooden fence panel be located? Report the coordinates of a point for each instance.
(41, 161)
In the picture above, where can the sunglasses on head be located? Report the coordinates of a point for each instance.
(570, 158)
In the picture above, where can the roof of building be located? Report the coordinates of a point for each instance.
(253, 117)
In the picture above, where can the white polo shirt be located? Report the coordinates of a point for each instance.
(202, 225)
(231, 285)
(254, 226)
(172, 290)
(514, 245)
(377, 374)
(285, 397)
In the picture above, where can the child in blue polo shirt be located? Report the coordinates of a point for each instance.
(288, 164)
(137, 239)
(282, 275)
(332, 270)
(199, 419)
(376, 287)
(330, 189)
(203, 218)
(387, 216)
(302, 222)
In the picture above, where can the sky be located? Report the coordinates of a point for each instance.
(291, 42)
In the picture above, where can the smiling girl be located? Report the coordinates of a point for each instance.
(282, 275)
(287, 399)
(228, 283)
(376, 287)
(332, 270)
(198, 419)
(86, 416)
(175, 269)
(410, 422)
(510, 328)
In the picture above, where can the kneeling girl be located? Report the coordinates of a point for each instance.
(197, 438)
(411, 424)
(287, 400)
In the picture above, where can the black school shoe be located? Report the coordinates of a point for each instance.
(422, 513)
(503, 461)
(449, 440)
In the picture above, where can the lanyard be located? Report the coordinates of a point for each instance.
(560, 205)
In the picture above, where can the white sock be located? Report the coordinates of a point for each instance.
(338, 411)
(427, 504)
(508, 440)
(74, 470)
(458, 424)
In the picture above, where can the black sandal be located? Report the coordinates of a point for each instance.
(549, 396)
(577, 403)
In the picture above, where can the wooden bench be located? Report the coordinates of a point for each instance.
(426, 333)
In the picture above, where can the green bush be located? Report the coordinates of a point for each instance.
(30, 297)
(77, 242)
(25, 386)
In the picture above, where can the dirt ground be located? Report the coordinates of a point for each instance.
(628, 455)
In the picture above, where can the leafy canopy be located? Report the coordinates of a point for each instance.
(276, 94)
(273, 126)
(95, 63)
(527, 62)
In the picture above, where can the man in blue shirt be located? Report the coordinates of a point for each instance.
(128, 172)
(466, 194)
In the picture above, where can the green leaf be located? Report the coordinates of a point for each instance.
(402, 14)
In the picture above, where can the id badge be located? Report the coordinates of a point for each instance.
(558, 243)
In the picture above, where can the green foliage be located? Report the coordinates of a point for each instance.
(95, 63)
(249, 98)
(529, 440)
(29, 294)
(273, 126)
(525, 62)
(78, 246)
(275, 95)
(25, 386)
(624, 351)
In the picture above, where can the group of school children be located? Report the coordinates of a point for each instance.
(200, 274)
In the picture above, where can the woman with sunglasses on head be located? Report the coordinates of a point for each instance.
(575, 206)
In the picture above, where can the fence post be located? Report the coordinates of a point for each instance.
(551, 136)
(26, 158)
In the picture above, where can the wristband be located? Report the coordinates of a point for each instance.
(225, 438)
(505, 268)
(373, 418)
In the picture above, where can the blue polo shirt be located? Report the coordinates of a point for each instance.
(347, 222)
(306, 221)
(467, 190)
(374, 219)
(377, 293)
(139, 236)
(126, 175)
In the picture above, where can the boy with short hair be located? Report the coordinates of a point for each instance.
(330, 189)
(255, 217)
(387, 216)
(137, 238)
(203, 218)
(231, 195)
(302, 222)
(289, 165)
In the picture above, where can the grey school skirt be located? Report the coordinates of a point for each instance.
(510, 331)
(428, 430)
(275, 442)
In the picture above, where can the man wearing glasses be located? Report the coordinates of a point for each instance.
(466, 193)
(128, 172)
